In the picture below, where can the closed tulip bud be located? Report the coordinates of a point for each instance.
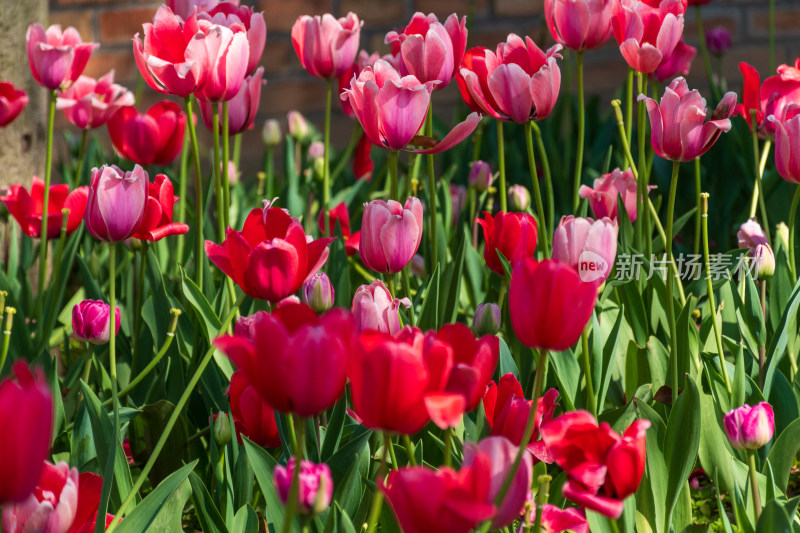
(316, 150)
(116, 204)
(318, 292)
(480, 176)
(417, 265)
(782, 235)
(271, 134)
(749, 427)
(222, 429)
(763, 261)
(751, 234)
(518, 198)
(298, 126)
(390, 234)
(90, 321)
(487, 320)
(316, 485)
(718, 40)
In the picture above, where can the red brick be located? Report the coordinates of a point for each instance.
(443, 8)
(281, 14)
(518, 7)
(120, 60)
(80, 19)
(279, 57)
(787, 20)
(280, 96)
(97, 3)
(120, 25)
(376, 12)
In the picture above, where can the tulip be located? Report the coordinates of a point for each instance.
(222, 429)
(326, 46)
(90, 103)
(90, 321)
(507, 411)
(26, 412)
(501, 454)
(518, 83)
(417, 265)
(56, 58)
(27, 208)
(362, 60)
(581, 24)
(117, 201)
(299, 128)
(186, 8)
(340, 215)
(487, 319)
(458, 199)
(271, 257)
(782, 235)
(252, 416)
(678, 63)
(390, 234)
(425, 500)
(374, 308)
(718, 40)
(157, 222)
(318, 292)
(603, 468)
(363, 165)
(392, 109)
(296, 360)
(787, 151)
(315, 482)
(556, 519)
(763, 261)
(390, 377)
(429, 50)
(242, 108)
(51, 507)
(152, 138)
(316, 150)
(223, 59)
(271, 133)
(589, 246)
(511, 234)
(549, 304)
(480, 176)
(774, 97)
(241, 19)
(749, 427)
(89, 488)
(677, 129)
(518, 198)
(750, 234)
(647, 33)
(474, 361)
(12, 102)
(607, 188)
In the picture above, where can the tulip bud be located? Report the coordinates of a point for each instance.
(763, 262)
(418, 265)
(298, 126)
(316, 150)
(271, 134)
(487, 320)
(318, 292)
(718, 40)
(480, 176)
(222, 429)
(749, 427)
(750, 234)
(316, 485)
(782, 235)
(90, 321)
(518, 198)
(374, 307)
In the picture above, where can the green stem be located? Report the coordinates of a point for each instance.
(377, 497)
(217, 173)
(629, 106)
(81, 155)
(269, 172)
(758, 189)
(501, 164)
(751, 460)
(176, 413)
(237, 149)
(673, 336)
(548, 179)
(591, 402)
(698, 185)
(407, 290)
(48, 163)
(537, 194)
(294, 490)
(198, 207)
(394, 192)
(137, 317)
(9, 312)
(762, 348)
(87, 366)
(326, 174)
(542, 495)
(642, 219)
(581, 133)
(226, 188)
(182, 199)
(434, 220)
(409, 450)
(448, 447)
(613, 525)
(392, 456)
(792, 218)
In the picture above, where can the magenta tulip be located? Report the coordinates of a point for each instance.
(316, 485)
(240, 19)
(647, 32)
(678, 63)
(116, 205)
(375, 308)
(12, 102)
(607, 188)
(718, 40)
(325, 45)
(787, 149)
(154, 137)
(90, 103)
(579, 24)
(56, 58)
(242, 108)
(480, 176)
(222, 57)
(749, 427)
(678, 132)
(589, 246)
(390, 234)
(90, 321)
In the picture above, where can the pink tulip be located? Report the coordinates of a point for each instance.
(678, 63)
(749, 427)
(239, 19)
(52, 506)
(242, 108)
(775, 96)
(56, 58)
(501, 453)
(375, 308)
(787, 150)
(750, 234)
(116, 205)
(90, 321)
(316, 485)
(517, 83)
(589, 246)
(392, 109)
(603, 198)
(326, 46)
(677, 129)
(90, 103)
(318, 292)
(480, 176)
(556, 519)
(12, 102)
(647, 33)
(222, 58)
(579, 24)
(390, 234)
(458, 199)
(363, 60)
(186, 8)
(430, 50)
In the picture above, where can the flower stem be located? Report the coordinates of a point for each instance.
(548, 179)
(294, 489)
(792, 218)
(434, 225)
(581, 134)
(137, 317)
(269, 173)
(377, 497)
(751, 459)
(392, 456)
(613, 525)
(501, 164)
(448, 447)
(407, 291)
(226, 187)
(591, 402)
(9, 312)
(642, 225)
(758, 189)
(629, 106)
(542, 495)
(537, 194)
(48, 163)
(182, 186)
(673, 336)
(198, 207)
(762, 348)
(326, 174)
(81, 155)
(410, 450)
(217, 173)
(394, 193)
(698, 184)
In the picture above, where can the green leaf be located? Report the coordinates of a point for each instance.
(714, 452)
(246, 520)
(783, 452)
(609, 352)
(681, 442)
(161, 510)
(333, 433)
(752, 313)
(207, 513)
(739, 387)
(429, 313)
(597, 522)
(777, 346)
(349, 467)
(505, 364)
(567, 374)
(263, 465)
(448, 298)
(635, 313)
(773, 519)
(650, 498)
(145, 431)
(209, 321)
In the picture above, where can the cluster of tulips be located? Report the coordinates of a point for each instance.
(338, 401)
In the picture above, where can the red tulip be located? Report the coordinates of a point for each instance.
(603, 468)
(390, 377)
(270, 258)
(117, 202)
(222, 57)
(152, 138)
(676, 123)
(26, 412)
(581, 24)
(12, 102)
(89, 487)
(517, 83)
(589, 246)
(157, 222)
(363, 165)
(607, 188)
(430, 50)
(239, 18)
(474, 361)
(647, 32)
(773, 97)
(27, 208)
(340, 215)
(787, 151)
(375, 308)
(678, 63)
(296, 360)
(52, 505)
(56, 58)
(507, 412)
(242, 108)
(512, 234)
(549, 304)
(390, 234)
(90, 103)
(252, 416)
(326, 46)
